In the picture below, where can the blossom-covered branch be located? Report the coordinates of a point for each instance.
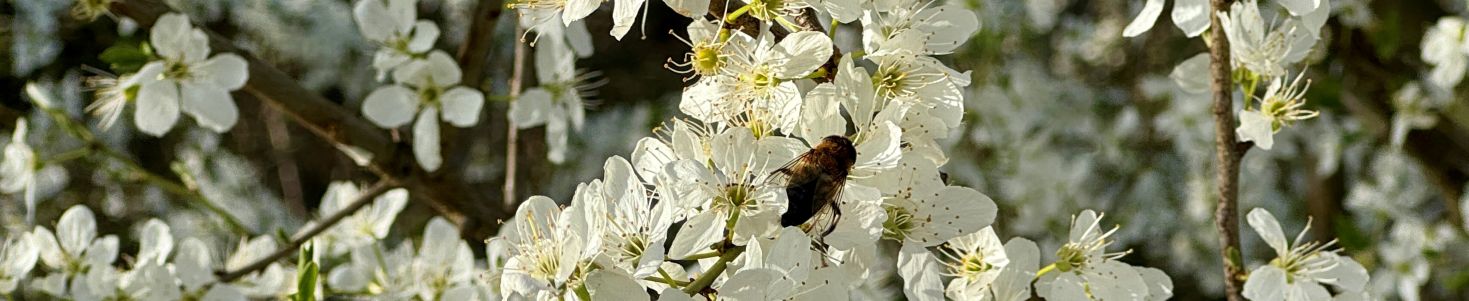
(363, 198)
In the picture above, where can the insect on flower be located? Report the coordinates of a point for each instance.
(813, 183)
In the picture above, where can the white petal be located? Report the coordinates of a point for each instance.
(862, 218)
(426, 140)
(1255, 126)
(610, 285)
(390, 106)
(920, 272)
(1269, 230)
(461, 106)
(578, 9)
(650, 155)
(1160, 287)
(425, 32)
(624, 14)
(50, 251)
(1300, 7)
(1349, 274)
(1066, 287)
(1191, 16)
(228, 70)
(531, 109)
(158, 107)
(1145, 19)
(225, 292)
(1113, 280)
(440, 240)
(156, 244)
(76, 229)
(103, 251)
(948, 27)
(881, 150)
(688, 8)
(1193, 74)
(697, 234)
(1266, 283)
(820, 115)
(211, 106)
(173, 37)
(373, 20)
(438, 70)
(799, 54)
(194, 264)
(951, 212)
(705, 99)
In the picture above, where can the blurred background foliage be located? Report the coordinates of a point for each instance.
(1064, 115)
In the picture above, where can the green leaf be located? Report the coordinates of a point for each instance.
(306, 274)
(125, 57)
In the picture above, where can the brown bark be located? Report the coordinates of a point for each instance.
(1228, 153)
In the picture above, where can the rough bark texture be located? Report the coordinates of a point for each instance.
(1228, 152)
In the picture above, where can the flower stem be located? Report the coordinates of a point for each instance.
(702, 255)
(1044, 270)
(718, 268)
(730, 18)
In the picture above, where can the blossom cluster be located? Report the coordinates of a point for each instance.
(697, 211)
(426, 84)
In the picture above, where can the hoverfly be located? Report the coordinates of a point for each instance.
(813, 183)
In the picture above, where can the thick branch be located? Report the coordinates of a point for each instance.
(1228, 153)
(342, 127)
(363, 198)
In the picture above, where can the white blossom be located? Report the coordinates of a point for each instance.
(18, 255)
(427, 90)
(1298, 272)
(187, 80)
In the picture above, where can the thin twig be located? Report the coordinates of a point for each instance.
(512, 133)
(363, 198)
(81, 133)
(1228, 153)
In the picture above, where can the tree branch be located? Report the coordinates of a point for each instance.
(341, 126)
(363, 198)
(512, 132)
(1228, 153)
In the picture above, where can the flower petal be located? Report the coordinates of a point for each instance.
(373, 20)
(211, 106)
(1266, 283)
(688, 8)
(75, 230)
(920, 272)
(425, 32)
(174, 38)
(1191, 16)
(426, 139)
(799, 54)
(624, 14)
(158, 107)
(461, 106)
(533, 108)
(1269, 229)
(228, 70)
(156, 244)
(1300, 7)
(1145, 19)
(390, 106)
